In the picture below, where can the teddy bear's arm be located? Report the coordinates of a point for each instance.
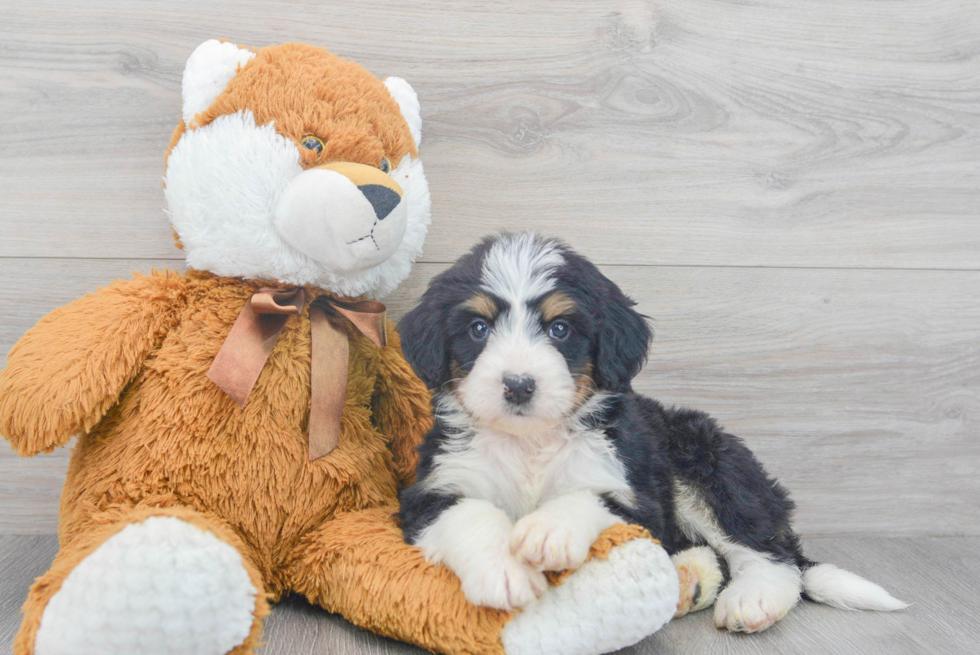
(69, 369)
(402, 407)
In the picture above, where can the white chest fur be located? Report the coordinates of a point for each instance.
(518, 473)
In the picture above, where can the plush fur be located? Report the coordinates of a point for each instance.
(572, 448)
(230, 164)
(134, 567)
(184, 515)
(125, 369)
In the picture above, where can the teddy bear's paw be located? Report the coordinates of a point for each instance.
(549, 543)
(605, 605)
(700, 578)
(157, 587)
(502, 583)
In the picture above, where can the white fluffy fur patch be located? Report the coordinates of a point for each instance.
(825, 583)
(408, 102)
(160, 587)
(760, 593)
(520, 473)
(223, 182)
(518, 347)
(558, 535)
(604, 606)
(519, 267)
(209, 69)
(472, 539)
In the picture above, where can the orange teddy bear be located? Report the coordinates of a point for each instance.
(205, 482)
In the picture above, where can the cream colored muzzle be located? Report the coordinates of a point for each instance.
(348, 217)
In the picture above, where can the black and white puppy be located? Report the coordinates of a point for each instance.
(540, 444)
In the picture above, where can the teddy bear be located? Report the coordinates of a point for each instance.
(243, 428)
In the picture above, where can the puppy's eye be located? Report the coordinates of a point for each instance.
(559, 330)
(313, 143)
(385, 165)
(479, 330)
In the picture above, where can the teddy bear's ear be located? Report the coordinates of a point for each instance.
(209, 69)
(408, 102)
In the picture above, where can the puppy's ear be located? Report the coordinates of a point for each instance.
(622, 342)
(424, 341)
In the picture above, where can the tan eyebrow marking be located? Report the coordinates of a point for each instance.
(557, 304)
(482, 304)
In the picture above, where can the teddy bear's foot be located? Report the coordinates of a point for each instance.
(607, 604)
(700, 578)
(155, 587)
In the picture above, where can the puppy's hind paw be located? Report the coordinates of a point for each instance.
(700, 578)
(753, 602)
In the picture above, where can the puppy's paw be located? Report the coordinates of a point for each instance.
(503, 583)
(690, 591)
(700, 578)
(752, 605)
(549, 543)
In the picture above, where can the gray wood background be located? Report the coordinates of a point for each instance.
(791, 189)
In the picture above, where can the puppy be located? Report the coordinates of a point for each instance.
(540, 444)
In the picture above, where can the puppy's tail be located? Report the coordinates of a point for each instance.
(825, 583)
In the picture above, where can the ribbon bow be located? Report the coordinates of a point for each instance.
(256, 330)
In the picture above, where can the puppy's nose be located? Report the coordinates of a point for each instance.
(518, 390)
(382, 199)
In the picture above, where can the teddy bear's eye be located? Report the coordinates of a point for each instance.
(313, 143)
(385, 165)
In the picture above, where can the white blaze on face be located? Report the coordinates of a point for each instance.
(518, 270)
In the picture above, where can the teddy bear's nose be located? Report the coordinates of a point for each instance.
(382, 199)
(344, 215)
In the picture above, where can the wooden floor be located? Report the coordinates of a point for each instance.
(939, 576)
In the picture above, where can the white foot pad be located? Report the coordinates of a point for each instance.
(759, 595)
(604, 606)
(158, 587)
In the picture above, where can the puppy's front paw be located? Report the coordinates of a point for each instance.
(503, 583)
(549, 543)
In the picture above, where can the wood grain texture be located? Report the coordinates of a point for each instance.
(939, 576)
(857, 388)
(790, 189)
(770, 133)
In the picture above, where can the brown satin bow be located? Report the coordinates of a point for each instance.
(253, 336)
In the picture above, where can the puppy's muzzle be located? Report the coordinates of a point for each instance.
(347, 216)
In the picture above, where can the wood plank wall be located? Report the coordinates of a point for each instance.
(790, 189)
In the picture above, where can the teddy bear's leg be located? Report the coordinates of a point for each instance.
(156, 581)
(359, 565)
(627, 590)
